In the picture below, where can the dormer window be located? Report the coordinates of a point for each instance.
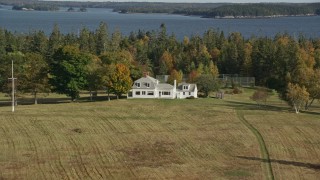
(185, 87)
(137, 84)
(148, 85)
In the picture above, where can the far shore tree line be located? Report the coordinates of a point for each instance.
(210, 10)
(100, 59)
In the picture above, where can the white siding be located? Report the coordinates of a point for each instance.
(166, 94)
(183, 95)
(148, 87)
(144, 93)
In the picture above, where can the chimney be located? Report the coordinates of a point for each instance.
(145, 74)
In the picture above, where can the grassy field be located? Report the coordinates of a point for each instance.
(159, 139)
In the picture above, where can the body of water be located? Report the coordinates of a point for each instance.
(26, 21)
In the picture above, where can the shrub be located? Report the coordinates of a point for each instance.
(260, 96)
(236, 90)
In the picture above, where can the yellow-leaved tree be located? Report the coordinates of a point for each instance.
(120, 81)
(165, 63)
(175, 75)
(297, 96)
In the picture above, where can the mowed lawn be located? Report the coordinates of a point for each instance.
(158, 139)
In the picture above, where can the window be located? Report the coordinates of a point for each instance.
(189, 93)
(137, 84)
(167, 93)
(185, 87)
(184, 93)
(150, 93)
(143, 93)
(138, 93)
(147, 84)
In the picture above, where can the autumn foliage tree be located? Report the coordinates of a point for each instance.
(272, 61)
(120, 81)
(166, 63)
(193, 76)
(313, 87)
(175, 75)
(297, 96)
(213, 69)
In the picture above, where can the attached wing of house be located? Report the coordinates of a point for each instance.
(186, 90)
(149, 87)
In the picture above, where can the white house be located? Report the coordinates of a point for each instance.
(149, 87)
(185, 90)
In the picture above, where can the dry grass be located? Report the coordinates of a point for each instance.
(293, 142)
(155, 139)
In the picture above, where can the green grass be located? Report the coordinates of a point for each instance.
(158, 139)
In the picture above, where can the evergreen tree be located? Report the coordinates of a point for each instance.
(38, 42)
(115, 40)
(55, 40)
(18, 59)
(102, 38)
(84, 38)
(2, 43)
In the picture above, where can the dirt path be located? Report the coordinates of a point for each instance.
(263, 148)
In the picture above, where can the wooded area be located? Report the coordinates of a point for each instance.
(96, 60)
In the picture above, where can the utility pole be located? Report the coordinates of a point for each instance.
(12, 78)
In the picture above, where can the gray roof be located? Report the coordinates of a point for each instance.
(191, 87)
(164, 86)
(153, 83)
(143, 81)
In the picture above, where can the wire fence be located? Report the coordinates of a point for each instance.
(238, 81)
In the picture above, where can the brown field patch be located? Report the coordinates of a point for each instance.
(159, 153)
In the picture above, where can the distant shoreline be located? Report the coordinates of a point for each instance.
(201, 16)
(225, 17)
(260, 17)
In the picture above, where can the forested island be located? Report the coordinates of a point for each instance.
(35, 7)
(82, 9)
(208, 10)
(227, 10)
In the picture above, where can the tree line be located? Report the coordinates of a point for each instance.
(254, 10)
(36, 7)
(211, 10)
(217, 10)
(100, 59)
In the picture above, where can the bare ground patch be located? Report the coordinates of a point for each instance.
(159, 153)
